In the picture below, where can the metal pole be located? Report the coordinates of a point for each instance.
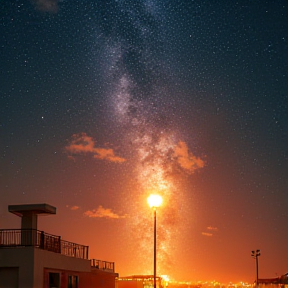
(154, 247)
(256, 270)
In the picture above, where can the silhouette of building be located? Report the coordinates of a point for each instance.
(139, 281)
(30, 258)
(280, 282)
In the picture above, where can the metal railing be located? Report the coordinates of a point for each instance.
(102, 265)
(42, 240)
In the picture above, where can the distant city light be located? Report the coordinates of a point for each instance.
(165, 278)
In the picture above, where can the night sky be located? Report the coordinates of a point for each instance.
(105, 102)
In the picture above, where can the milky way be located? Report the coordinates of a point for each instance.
(137, 88)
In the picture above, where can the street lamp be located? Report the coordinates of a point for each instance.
(255, 255)
(154, 201)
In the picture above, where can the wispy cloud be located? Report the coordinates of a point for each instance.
(50, 6)
(102, 153)
(83, 144)
(212, 228)
(186, 159)
(207, 234)
(73, 208)
(101, 212)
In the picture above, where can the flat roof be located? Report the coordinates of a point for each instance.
(139, 277)
(21, 209)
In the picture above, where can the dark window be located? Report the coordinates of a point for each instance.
(54, 280)
(70, 281)
(73, 281)
(76, 281)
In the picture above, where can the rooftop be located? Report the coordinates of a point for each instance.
(21, 209)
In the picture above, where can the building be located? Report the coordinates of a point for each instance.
(140, 281)
(278, 282)
(30, 258)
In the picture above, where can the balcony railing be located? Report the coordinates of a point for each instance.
(102, 265)
(42, 240)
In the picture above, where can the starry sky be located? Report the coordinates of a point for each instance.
(104, 102)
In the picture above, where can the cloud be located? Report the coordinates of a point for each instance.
(50, 6)
(207, 234)
(212, 228)
(102, 153)
(83, 144)
(75, 207)
(101, 212)
(80, 143)
(186, 159)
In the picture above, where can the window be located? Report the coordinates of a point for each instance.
(73, 281)
(54, 280)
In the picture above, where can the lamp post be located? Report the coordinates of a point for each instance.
(255, 255)
(154, 201)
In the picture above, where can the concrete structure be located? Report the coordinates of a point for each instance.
(30, 258)
(278, 282)
(140, 281)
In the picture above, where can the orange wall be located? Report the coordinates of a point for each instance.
(95, 279)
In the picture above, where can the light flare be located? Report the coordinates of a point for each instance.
(154, 200)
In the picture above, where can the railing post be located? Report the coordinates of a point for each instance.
(59, 244)
(42, 240)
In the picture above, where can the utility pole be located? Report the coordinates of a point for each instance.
(255, 254)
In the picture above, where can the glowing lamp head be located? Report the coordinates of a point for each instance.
(154, 200)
